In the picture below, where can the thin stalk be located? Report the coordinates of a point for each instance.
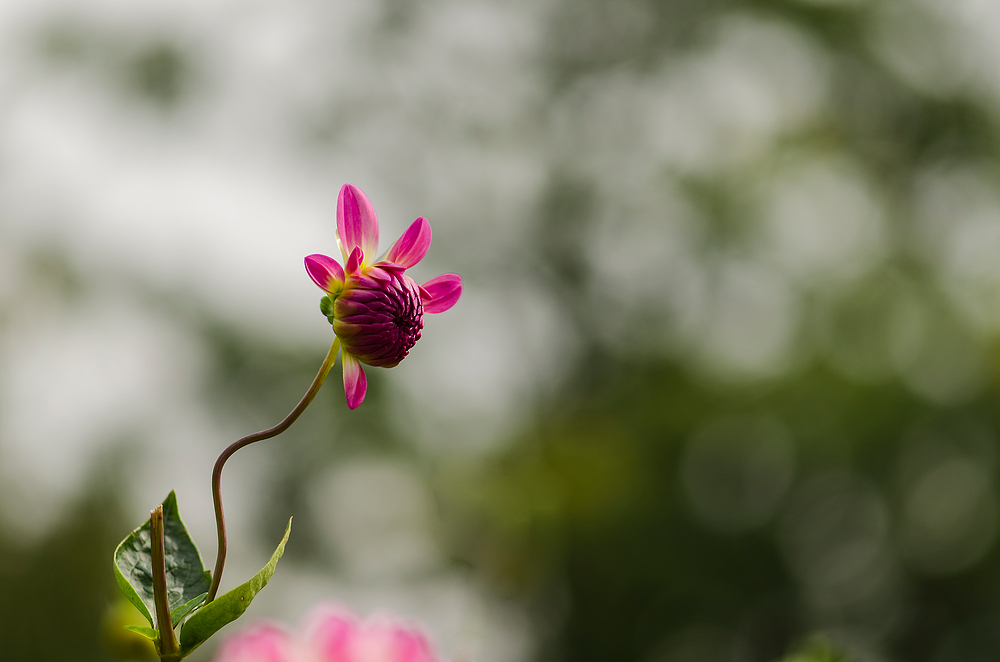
(168, 640)
(220, 520)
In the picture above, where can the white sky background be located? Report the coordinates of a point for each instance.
(222, 197)
(439, 110)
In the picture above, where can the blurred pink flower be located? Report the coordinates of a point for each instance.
(377, 311)
(334, 636)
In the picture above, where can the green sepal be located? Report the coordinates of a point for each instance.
(326, 307)
(227, 608)
(149, 633)
(180, 612)
(187, 579)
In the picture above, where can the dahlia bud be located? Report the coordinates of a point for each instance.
(376, 310)
(379, 325)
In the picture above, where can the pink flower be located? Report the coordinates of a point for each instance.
(335, 636)
(376, 310)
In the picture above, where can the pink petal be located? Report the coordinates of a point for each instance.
(357, 224)
(411, 647)
(355, 382)
(325, 272)
(264, 643)
(335, 635)
(412, 246)
(391, 267)
(442, 293)
(354, 262)
(332, 635)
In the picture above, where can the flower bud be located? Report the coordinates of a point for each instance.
(378, 318)
(376, 310)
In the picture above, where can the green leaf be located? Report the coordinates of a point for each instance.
(149, 633)
(187, 578)
(129, 568)
(180, 612)
(227, 608)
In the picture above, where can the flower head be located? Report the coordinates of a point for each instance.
(377, 311)
(334, 636)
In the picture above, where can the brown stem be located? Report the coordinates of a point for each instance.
(220, 520)
(168, 640)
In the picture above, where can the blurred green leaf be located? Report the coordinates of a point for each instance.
(149, 633)
(816, 650)
(227, 608)
(180, 612)
(187, 579)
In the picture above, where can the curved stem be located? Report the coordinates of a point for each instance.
(220, 520)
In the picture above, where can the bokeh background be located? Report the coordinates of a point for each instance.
(722, 387)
